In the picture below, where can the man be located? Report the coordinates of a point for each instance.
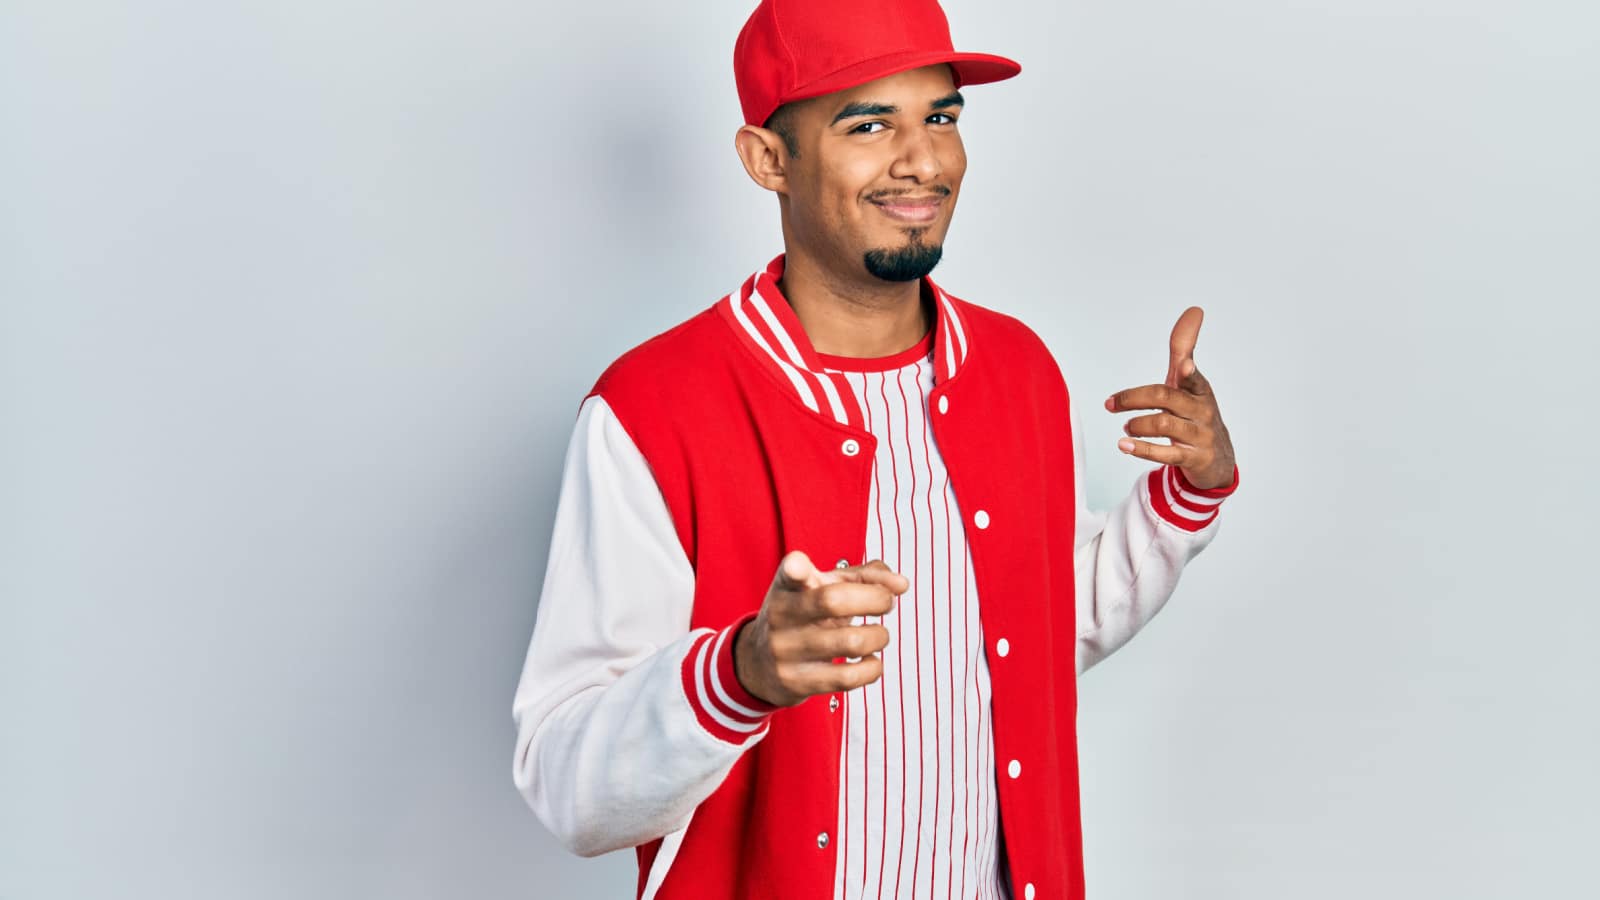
(822, 577)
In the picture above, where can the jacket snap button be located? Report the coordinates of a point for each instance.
(822, 840)
(944, 404)
(981, 519)
(850, 447)
(1014, 769)
(842, 564)
(1002, 646)
(1027, 891)
(833, 703)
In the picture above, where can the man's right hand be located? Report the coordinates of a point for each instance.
(785, 654)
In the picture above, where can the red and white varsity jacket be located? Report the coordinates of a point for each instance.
(703, 455)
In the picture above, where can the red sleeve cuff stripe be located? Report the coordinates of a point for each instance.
(726, 683)
(1182, 512)
(1188, 488)
(1198, 507)
(719, 709)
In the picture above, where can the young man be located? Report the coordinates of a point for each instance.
(822, 577)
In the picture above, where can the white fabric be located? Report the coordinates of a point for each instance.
(609, 753)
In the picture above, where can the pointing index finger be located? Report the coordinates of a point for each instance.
(1155, 396)
(874, 572)
(843, 601)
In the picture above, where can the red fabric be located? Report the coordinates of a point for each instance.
(749, 472)
(794, 49)
(1223, 491)
(708, 675)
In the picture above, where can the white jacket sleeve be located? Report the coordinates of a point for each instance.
(1128, 560)
(626, 719)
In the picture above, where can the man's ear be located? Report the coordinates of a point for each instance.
(765, 156)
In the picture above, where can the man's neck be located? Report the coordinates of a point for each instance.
(853, 318)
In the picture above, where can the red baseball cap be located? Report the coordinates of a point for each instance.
(794, 49)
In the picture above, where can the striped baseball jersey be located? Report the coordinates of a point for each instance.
(917, 799)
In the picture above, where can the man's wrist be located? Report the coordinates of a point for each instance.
(1179, 503)
(1189, 487)
(720, 702)
(740, 665)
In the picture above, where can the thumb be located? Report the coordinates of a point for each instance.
(1180, 347)
(796, 572)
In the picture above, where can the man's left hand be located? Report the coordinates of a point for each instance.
(1200, 444)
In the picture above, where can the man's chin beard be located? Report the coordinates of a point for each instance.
(906, 263)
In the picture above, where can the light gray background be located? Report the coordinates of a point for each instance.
(299, 300)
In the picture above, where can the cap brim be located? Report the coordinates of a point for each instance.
(969, 68)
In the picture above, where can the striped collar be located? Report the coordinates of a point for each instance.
(763, 320)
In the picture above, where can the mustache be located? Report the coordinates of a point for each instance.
(941, 190)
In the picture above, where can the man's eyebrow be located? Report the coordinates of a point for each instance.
(868, 108)
(859, 108)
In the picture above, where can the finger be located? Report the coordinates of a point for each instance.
(812, 678)
(816, 643)
(1158, 396)
(796, 573)
(876, 572)
(1180, 346)
(1161, 453)
(845, 600)
(1176, 429)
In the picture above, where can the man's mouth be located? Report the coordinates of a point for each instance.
(918, 210)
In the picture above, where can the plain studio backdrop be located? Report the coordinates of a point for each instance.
(300, 299)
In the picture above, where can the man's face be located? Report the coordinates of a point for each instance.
(878, 171)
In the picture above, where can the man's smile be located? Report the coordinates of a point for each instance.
(920, 210)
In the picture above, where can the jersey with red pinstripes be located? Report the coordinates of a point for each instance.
(918, 810)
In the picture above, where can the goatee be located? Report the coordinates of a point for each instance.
(907, 263)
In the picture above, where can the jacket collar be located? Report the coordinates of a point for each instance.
(763, 319)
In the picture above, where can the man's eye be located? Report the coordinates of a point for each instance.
(952, 119)
(864, 125)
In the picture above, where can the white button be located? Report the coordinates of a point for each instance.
(822, 840)
(944, 404)
(833, 703)
(1027, 891)
(850, 447)
(981, 519)
(1014, 769)
(1002, 646)
(842, 564)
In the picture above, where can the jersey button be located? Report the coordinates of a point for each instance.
(1002, 646)
(850, 447)
(822, 841)
(944, 404)
(842, 564)
(1014, 769)
(981, 519)
(1027, 891)
(833, 703)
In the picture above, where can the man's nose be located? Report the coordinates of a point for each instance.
(916, 158)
